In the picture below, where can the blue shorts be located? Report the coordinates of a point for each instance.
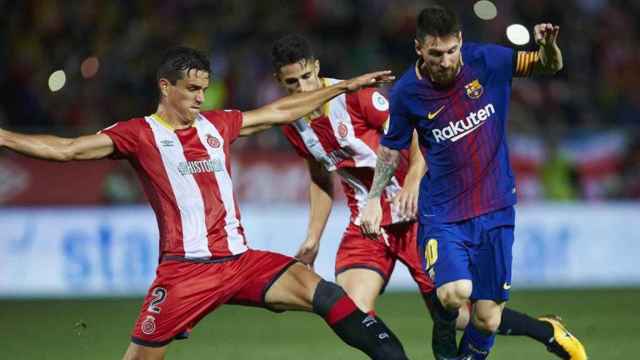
(478, 249)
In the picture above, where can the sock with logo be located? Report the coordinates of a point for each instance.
(476, 344)
(515, 323)
(356, 328)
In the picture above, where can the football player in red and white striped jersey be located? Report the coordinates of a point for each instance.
(182, 158)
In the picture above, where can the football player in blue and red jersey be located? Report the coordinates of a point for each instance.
(456, 97)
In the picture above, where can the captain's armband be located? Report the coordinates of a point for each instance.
(524, 63)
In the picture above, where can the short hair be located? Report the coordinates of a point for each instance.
(437, 20)
(289, 50)
(179, 60)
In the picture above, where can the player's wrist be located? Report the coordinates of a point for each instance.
(4, 135)
(312, 239)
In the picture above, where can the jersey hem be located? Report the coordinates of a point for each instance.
(427, 220)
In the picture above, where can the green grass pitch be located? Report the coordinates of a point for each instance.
(607, 322)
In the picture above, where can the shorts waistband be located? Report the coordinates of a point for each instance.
(203, 260)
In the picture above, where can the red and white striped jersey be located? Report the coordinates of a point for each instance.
(186, 175)
(345, 139)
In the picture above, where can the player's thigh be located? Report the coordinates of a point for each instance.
(294, 289)
(362, 285)
(404, 244)
(139, 352)
(182, 293)
(358, 251)
(446, 256)
(492, 265)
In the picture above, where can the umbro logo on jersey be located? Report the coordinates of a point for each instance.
(167, 143)
(461, 128)
(432, 115)
(506, 286)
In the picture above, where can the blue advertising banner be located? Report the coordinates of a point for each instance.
(113, 251)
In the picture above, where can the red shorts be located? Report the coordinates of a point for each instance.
(184, 291)
(358, 251)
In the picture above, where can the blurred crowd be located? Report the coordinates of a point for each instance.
(573, 136)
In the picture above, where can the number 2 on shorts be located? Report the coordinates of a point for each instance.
(159, 295)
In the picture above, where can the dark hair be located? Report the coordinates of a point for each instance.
(289, 50)
(177, 61)
(437, 20)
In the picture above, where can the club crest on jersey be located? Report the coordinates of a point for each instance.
(148, 325)
(474, 89)
(213, 141)
(379, 102)
(343, 130)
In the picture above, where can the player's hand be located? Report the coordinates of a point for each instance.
(546, 34)
(2, 141)
(377, 78)
(406, 203)
(371, 219)
(308, 252)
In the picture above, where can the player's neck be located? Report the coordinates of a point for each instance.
(173, 118)
(319, 111)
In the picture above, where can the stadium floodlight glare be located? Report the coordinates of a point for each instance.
(57, 80)
(89, 67)
(518, 34)
(485, 10)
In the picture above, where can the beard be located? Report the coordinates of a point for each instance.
(445, 77)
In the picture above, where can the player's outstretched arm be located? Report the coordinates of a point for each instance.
(48, 147)
(292, 107)
(386, 165)
(406, 201)
(546, 36)
(320, 203)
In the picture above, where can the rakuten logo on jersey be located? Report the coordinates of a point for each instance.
(461, 128)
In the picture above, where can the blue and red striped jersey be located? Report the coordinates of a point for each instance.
(462, 131)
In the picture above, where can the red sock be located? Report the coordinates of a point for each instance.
(341, 309)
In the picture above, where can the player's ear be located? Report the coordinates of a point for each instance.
(418, 47)
(316, 66)
(163, 84)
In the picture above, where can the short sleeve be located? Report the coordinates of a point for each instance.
(228, 122)
(374, 107)
(500, 60)
(400, 132)
(125, 136)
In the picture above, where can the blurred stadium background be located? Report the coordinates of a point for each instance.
(78, 244)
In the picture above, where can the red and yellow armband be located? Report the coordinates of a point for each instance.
(525, 62)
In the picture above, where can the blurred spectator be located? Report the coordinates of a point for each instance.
(594, 100)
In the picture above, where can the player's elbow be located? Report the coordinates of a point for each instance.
(67, 152)
(64, 155)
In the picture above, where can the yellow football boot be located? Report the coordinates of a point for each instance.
(564, 344)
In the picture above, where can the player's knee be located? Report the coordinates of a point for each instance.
(454, 295)
(136, 352)
(487, 321)
(463, 316)
(326, 296)
(362, 302)
(390, 351)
